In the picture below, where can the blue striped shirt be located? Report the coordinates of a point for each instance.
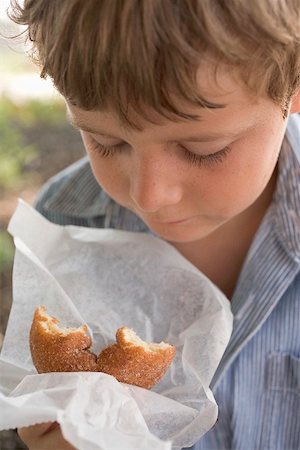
(257, 384)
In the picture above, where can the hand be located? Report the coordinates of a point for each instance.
(44, 436)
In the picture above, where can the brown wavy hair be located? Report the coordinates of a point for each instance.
(144, 53)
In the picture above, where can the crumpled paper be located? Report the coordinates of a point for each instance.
(107, 279)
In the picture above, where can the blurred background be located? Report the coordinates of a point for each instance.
(35, 143)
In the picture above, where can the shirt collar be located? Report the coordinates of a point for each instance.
(286, 202)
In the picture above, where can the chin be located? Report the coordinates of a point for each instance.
(181, 234)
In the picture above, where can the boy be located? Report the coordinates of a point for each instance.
(183, 108)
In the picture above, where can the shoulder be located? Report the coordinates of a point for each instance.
(73, 196)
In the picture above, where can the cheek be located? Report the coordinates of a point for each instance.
(107, 172)
(241, 180)
(109, 176)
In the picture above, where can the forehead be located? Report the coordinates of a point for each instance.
(218, 84)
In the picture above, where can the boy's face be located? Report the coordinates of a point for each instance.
(185, 179)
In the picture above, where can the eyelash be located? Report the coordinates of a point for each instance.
(208, 160)
(192, 158)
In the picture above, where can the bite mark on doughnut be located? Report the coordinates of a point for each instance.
(130, 360)
(55, 349)
(134, 361)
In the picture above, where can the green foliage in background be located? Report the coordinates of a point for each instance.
(6, 250)
(35, 111)
(14, 153)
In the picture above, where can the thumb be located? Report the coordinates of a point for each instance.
(38, 430)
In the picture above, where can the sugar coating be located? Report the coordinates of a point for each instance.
(130, 360)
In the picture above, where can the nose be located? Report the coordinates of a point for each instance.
(154, 183)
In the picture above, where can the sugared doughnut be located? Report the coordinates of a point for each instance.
(133, 361)
(130, 360)
(55, 349)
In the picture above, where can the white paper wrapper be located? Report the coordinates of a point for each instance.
(107, 279)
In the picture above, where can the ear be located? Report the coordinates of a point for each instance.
(295, 103)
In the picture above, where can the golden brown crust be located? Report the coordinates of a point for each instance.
(133, 364)
(57, 350)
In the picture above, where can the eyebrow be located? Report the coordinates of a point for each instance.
(207, 137)
(81, 126)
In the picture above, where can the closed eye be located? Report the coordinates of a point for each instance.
(193, 158)
(104, 151)
(210, 159)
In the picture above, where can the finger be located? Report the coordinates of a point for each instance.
(34, 431)
(52, 440)
(44, 436)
